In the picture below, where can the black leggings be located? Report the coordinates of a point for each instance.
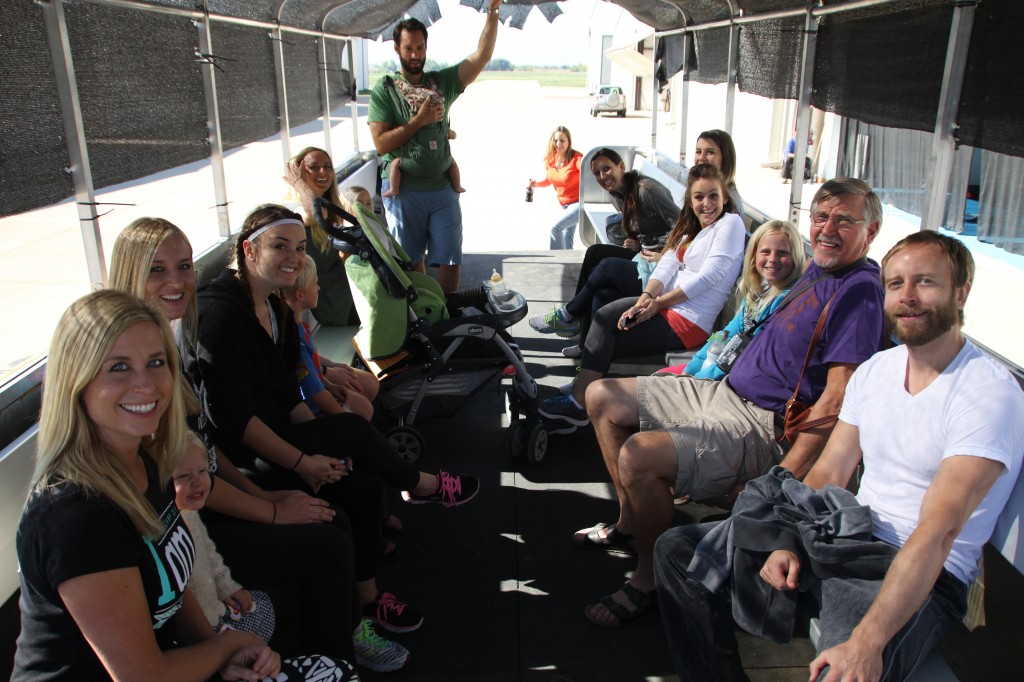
(606, 342)
(307, 570)
(593, 256)
(359, 494)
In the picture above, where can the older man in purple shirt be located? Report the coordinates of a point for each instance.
(666, 435)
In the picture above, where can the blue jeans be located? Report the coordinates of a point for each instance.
(700, 629)
(426, 223)
(565, 228)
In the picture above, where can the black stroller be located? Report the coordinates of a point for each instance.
(428, 363)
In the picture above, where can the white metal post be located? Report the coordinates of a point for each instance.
(74, 130)
(684, 99)
(654, 103)
(730, 92)
(209, 70)
(949, 97)
(803, 117)
(354, 104)
(282, 93)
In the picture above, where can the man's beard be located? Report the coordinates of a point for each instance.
(413, 70)
(936, 322)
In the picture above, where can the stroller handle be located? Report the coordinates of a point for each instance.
(356, 238)
(319, 206)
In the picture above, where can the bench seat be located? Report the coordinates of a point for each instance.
(336, 342)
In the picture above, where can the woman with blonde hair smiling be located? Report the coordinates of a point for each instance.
(311, 559)
(310, 175)
(104, 554)
(774, 259)
(562, 166)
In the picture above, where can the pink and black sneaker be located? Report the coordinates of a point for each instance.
(391, 614)
(451, 491)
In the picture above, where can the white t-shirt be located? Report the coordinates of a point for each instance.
(974, 408)
(708, 272)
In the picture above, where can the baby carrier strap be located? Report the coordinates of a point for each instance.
(427, 153)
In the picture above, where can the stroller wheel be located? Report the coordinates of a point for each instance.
(407, 441)
(515, 439)
(536, 444)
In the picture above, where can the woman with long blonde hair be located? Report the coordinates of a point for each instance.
(309, 175)
(562, 166)
(774, 259)
(311, 543)
(104, 554)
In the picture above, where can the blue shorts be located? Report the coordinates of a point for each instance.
(426, 222)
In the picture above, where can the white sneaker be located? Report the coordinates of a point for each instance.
(573, 352)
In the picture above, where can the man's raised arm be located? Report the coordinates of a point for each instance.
(958, 487)
(471, 66)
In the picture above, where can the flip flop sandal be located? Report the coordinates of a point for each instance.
(613, 541)
(645, 605)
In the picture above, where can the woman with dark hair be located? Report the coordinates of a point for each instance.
(246, 361)
(716, 147)
(562, 171)
(678, 305)
(648, 213)
(616, 279)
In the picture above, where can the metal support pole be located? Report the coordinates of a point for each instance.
(684, 99)
(354, 104)
(803, 117)
(942, 141)
(213, 127)
(730, 92)
(74, 130)
(654, 102)
(282, 94)
(325, 97)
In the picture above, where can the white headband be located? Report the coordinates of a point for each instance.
(283, 221)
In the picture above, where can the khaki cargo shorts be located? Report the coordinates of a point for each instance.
(721, 440)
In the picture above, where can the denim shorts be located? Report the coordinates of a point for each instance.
(426, 223)
(721, 440)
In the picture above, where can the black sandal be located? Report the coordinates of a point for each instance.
(645, 605)
(613, 540)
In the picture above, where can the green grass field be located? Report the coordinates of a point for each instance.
(552, 78)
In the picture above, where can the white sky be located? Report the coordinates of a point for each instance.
(540, 43)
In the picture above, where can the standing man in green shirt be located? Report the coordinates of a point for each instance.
(409, 119)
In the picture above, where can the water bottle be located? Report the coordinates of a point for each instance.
(718, 340)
